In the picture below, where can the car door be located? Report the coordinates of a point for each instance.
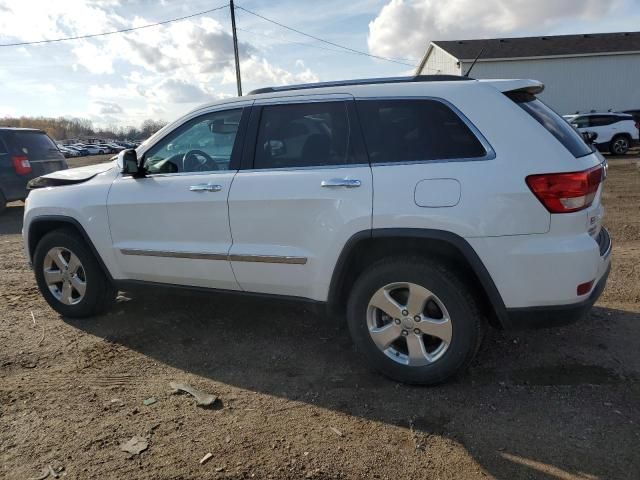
(604, 126)
(305, 188)
(172, 225)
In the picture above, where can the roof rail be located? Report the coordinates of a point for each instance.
(362, 81)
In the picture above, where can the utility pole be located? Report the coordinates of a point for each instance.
(235, 47)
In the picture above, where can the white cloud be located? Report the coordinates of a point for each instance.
(152, 72)
(258, 71)
(180, 91)
(403, 28)
(100, 107)
(48, 19)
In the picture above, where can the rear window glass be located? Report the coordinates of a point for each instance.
(552, 122)
(33, 144)
(415, 130)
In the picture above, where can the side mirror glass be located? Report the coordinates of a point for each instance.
(277, 148)
(590, 137)
(128, 162)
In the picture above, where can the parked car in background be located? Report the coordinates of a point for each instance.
(116, 147)
(616, 132)
(25, 153)
(487, 210)
(107, 148)
(634, 113)
(81, 150)
(68, 152)
(636, 116)
(95, 149)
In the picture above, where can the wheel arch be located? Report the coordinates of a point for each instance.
(365, 247)
(40, 226)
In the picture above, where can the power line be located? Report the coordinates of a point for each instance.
(303, 44)
(359, 52)
(291, 42)
(125, 30)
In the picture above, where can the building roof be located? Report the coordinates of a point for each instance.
(548, 46)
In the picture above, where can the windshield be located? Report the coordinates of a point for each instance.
(552, 122)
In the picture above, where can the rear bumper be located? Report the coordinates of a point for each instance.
(556, 315)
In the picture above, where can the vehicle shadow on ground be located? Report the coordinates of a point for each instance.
(520, 411)
(11, 219)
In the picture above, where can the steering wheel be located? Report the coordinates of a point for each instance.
(198, 161)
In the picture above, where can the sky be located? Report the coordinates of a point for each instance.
(165, 71)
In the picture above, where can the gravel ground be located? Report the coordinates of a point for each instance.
(295, 400)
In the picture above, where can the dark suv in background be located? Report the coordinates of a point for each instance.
(25, 153)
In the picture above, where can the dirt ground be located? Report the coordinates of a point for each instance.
(296, 401)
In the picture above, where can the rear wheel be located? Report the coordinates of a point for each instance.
(619, 145)
(415, 320)
(3, 203)
(69, 276)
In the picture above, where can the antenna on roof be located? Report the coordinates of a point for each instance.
(474, 62)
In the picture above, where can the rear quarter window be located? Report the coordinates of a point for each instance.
(552, 122)
(415, 130)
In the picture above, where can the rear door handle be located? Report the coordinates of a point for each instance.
(341, 182)
(205, 187)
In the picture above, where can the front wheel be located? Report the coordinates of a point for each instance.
(69, 276)
(415, 320)
(619, 145)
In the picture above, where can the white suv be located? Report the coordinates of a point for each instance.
(615, 132)
(425, 208)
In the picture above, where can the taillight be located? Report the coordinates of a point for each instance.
(21, 164)
(566, 192)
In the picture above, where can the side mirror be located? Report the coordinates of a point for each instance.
(128, 162)
(277, 148)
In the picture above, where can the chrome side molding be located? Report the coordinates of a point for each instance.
(268, 259)
(159, 253)
(216, 256)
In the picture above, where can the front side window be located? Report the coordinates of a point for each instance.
(580, 122)
(415, 130)
(203, 144)
(302, 135)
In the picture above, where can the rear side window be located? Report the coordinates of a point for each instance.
(603, 120)
(33, 144)
(552, 122)
(415, 130)
(303, 135)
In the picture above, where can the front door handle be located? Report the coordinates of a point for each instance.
(341, 182)
(205, 187)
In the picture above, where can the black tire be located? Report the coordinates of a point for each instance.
(99, 294)
(467, 323)
(3, 203)
(620, 145)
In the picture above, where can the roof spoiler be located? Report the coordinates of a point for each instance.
(534, 87)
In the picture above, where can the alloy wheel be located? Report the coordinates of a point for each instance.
(620, 146)
(409, 324)
(65, 276)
